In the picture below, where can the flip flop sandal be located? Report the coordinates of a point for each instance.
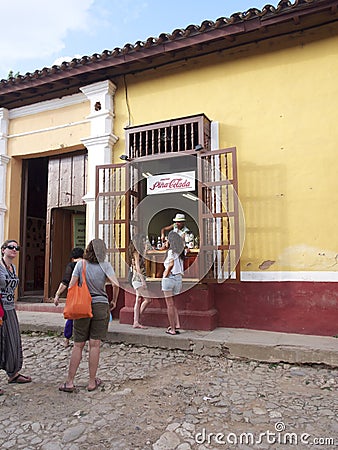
(20, 379)
(172, 334)
(176, 331)
(64, 388)
(98, 383)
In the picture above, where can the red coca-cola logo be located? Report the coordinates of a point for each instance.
(174, 183)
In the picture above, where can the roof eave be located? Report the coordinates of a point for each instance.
(184, 44)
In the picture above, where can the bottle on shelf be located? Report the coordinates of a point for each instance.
(159, 243)
(148, 245)
(191, 241)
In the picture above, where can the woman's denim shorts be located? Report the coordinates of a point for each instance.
(172, 283)
(136, 284)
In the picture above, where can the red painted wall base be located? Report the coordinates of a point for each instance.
(290, 307)
(196, 310)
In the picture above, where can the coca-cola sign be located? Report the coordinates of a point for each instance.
(171, 183)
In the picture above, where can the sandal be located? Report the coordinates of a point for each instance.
(170, 332)
(20, 379)
(98, 383)
(65, 388)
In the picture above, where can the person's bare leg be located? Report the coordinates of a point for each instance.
(137, 308)
(177, 319)
(93, 361)
(170, 311)
(146, 302)
(74, 363)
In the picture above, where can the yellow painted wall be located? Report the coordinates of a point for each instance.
(277, 103)
(48, 131)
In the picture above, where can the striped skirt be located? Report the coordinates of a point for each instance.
(11, 357)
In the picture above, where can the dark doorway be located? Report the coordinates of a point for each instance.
(68, 230)
(66, 214)
(33, 228)
(52, 220)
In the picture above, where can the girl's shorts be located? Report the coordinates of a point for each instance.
(172, 283)
(136, 284)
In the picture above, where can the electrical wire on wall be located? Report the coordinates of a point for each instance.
(127, 100)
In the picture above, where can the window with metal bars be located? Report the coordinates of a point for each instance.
(176, 135)
(161, 147)
(219, 222)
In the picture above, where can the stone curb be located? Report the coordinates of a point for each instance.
(261, 346)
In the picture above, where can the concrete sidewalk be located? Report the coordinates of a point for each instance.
(264, 346)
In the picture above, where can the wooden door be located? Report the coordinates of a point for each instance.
(60, 247)
(116, 196)
(67, 178)
(219, 216)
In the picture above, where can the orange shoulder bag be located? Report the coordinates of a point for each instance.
(79, 301)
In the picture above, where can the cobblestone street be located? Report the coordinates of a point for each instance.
(160, 399)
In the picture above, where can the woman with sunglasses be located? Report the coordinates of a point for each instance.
(11, 357)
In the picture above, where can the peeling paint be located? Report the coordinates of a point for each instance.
(304, 257)
(266, 264)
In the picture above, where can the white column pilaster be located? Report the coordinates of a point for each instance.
(4, 159)
(101, 140)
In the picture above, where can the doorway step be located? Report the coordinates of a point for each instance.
(31, 299)
(196, 308)
(38, 307)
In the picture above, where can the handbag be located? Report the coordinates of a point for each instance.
(2, 312)
(78, 301)
(130, 275)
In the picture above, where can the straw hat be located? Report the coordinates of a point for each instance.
(179, 218)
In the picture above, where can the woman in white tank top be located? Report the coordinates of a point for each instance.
(172, 279)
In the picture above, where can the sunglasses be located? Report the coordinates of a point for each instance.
(13, 247)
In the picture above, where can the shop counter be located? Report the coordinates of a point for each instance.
(155, 260)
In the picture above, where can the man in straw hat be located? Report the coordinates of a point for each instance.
(178, 226)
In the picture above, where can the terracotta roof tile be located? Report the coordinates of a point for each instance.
(267, 9)
(191, 29)
(163, 37)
